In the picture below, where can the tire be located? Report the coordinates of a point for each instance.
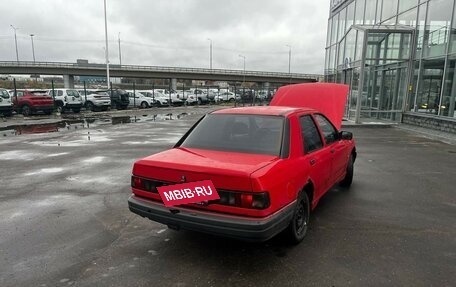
(59, 107)
(200, 102)
(144, 105)
(26, 110)
(299, 224)
(348, 179)
(76, 110)
(90, 106)
(231, 100)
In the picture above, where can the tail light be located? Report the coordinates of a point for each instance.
(145, 184)
(257, 200)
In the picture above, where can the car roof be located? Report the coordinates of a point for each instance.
(263, 110)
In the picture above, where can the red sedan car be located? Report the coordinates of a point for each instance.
(252, 172)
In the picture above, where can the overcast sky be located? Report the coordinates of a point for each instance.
(170, 32)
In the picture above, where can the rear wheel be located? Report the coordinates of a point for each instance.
(348, 179)
(59, 107)
(297, 229)
(144, 105)
(90, 106)
(26, 110)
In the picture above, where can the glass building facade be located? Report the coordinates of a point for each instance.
(396, 55)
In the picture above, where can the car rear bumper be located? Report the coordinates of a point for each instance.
(74, 105)
(237, 227)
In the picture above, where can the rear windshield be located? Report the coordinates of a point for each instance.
(39, 93)
(72, 93)
(4, 94)
(238, 133)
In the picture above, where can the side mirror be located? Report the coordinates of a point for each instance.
(343, 135)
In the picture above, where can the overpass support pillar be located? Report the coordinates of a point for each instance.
(266, 85)
(68, 81)
(174, 84)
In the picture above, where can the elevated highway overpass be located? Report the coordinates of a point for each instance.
(69, 70)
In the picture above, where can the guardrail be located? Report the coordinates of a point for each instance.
(31, 64)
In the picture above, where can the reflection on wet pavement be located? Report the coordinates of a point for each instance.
(66, 125)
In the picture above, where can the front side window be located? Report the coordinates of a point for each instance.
(238, 133)
(310, 135)
(330, 133)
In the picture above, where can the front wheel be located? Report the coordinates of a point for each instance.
(297, 229)
(348, 179)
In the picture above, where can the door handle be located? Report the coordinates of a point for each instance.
(313, 161)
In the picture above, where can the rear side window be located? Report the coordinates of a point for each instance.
(310, 134)
(330, 133)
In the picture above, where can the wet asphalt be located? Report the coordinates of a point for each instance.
(65, 220)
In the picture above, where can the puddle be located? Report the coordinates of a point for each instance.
(68, 125)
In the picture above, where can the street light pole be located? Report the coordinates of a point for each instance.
(120, 52)
(15, 41)
(106, 50)
(210, 52)
(243, 81)
(289, 59)
(33, 47)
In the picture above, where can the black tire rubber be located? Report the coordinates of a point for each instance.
(348, 179)
(299, 224)
(59, 107)
(90, 106)
(26, 110)
(144, 105)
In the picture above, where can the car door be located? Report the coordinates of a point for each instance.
(337, 147)
(316, 155)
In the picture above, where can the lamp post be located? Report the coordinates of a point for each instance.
(289, 59)
(120, 52)
(106, 50)
(210, 53)
(15, 41)
(33, 47)
(243, 81)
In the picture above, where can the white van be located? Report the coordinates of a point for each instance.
(66, 99)
(6, 104)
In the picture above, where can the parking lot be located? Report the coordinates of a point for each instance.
(65, 219)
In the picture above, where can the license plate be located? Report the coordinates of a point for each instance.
(189, 192)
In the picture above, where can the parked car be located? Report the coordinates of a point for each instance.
(227, 97)
(66, 99)
(250, 173)
(198, 96)
(6, 104)
(139, 100)
(158, 99)
(31, 102)
(96, 100)
(119, 98)
(175, 100)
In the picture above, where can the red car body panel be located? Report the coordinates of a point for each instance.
(281, 177)
(36, 100)
(327, 98)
